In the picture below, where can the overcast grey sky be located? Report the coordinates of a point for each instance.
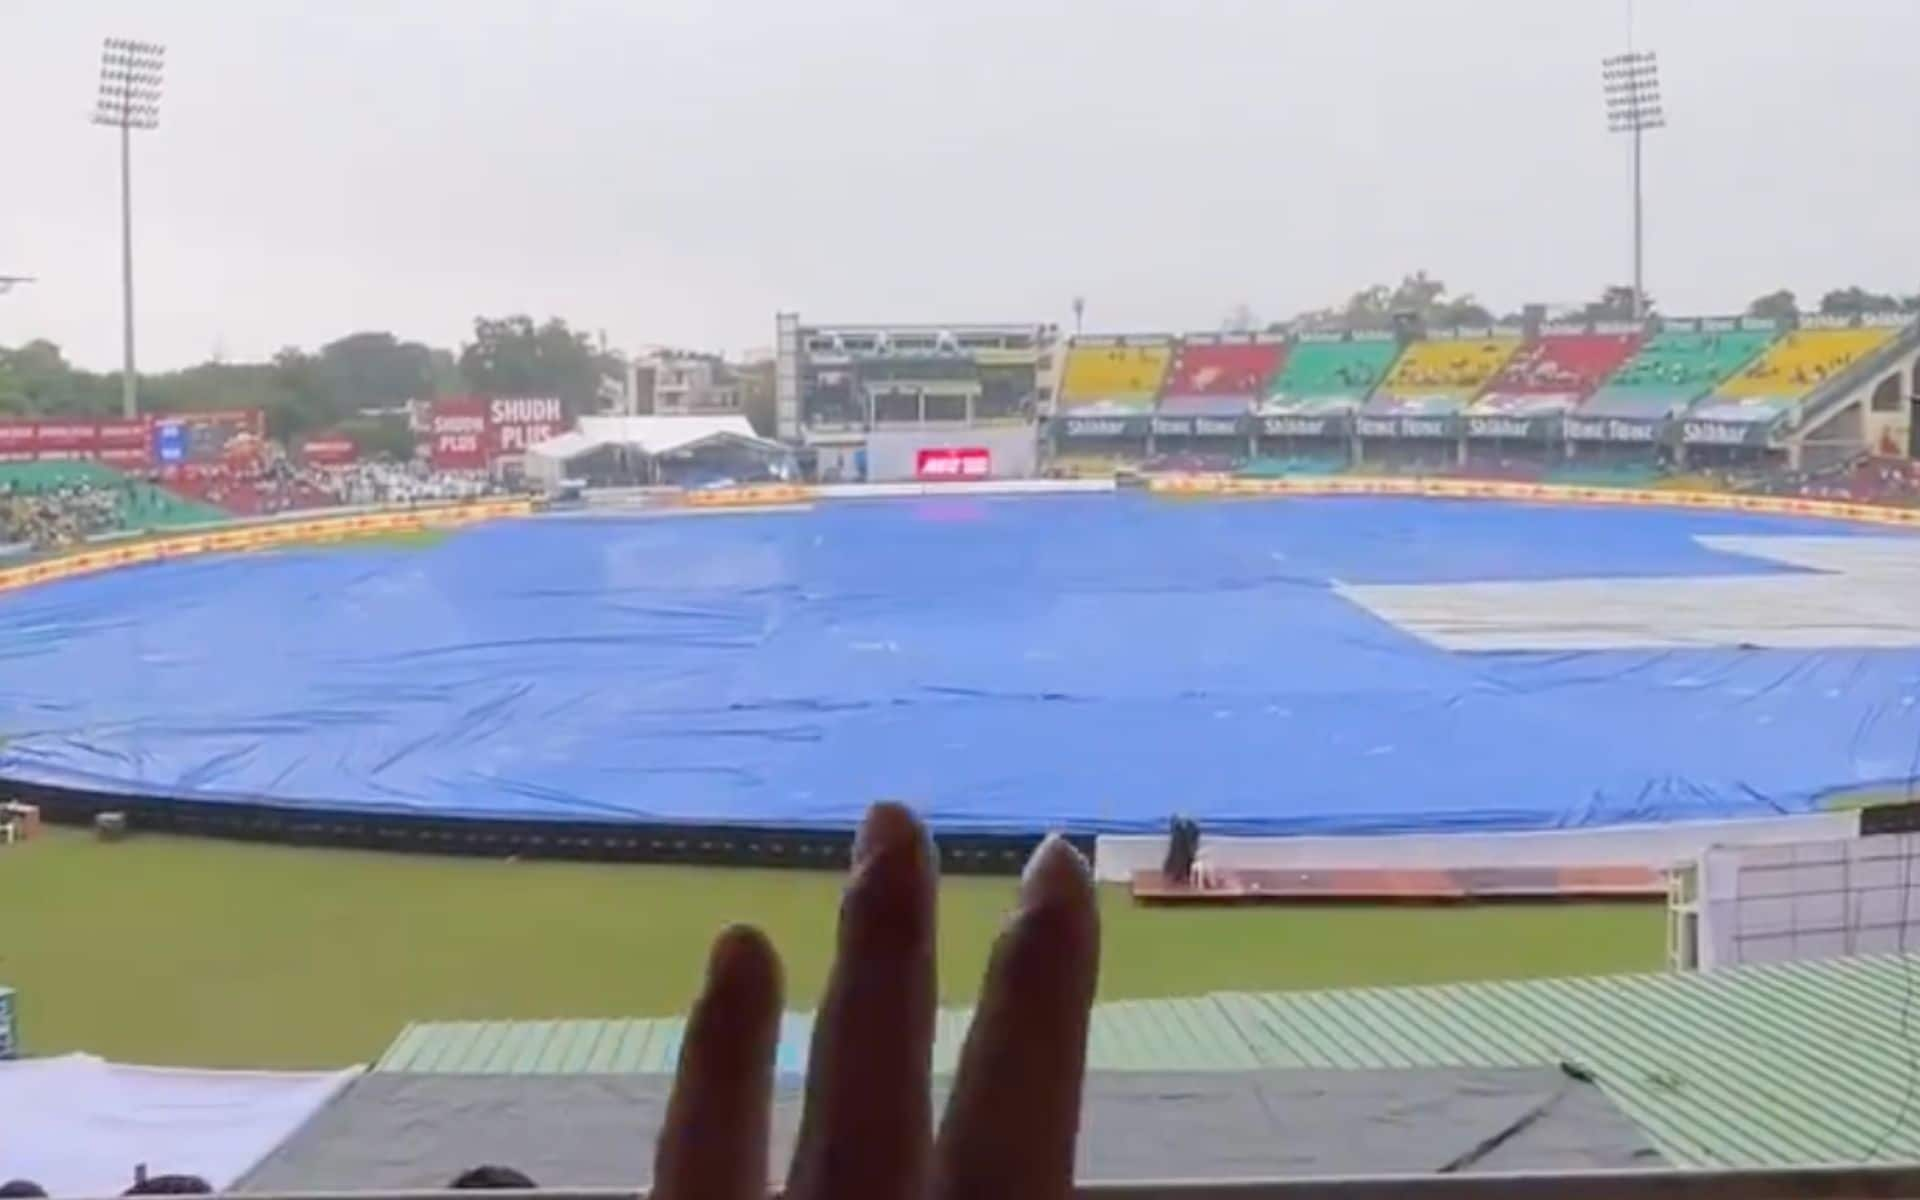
(674, 172)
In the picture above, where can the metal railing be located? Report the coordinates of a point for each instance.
(1881, 1182)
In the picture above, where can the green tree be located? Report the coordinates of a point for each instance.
(1418, 296)
(386, 435)
(1460, 310)
(1782, 305)
(511, 356)
(1615, 304)
(1240, 319)
(299, 392)
(1369, 308)
(756, 395)
(1418, 293)
(372, 370)
(1857, 301)
(444, 369)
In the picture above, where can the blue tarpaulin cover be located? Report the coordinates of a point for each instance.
(1093, 662)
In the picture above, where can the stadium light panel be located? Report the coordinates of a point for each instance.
(131, 73)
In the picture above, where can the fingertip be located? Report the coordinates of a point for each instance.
(1013, 1112)
(889, 828)
(1056, 876)
(742, 957)
(713, 1141)
(889, 905)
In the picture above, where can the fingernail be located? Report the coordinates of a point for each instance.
(1056, 874)
(887, 829)
(890, 893)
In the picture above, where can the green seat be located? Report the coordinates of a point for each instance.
(139, 504)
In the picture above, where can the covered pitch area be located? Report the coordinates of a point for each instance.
(1333, 666)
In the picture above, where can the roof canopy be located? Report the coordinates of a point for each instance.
(649, 435)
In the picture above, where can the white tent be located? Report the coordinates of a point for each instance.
(647, 436)
(659, 435)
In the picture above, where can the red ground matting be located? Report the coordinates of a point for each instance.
(1377, 884)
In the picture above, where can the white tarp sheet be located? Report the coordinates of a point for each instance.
(78, 1125)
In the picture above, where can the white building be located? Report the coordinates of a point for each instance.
(687, 384)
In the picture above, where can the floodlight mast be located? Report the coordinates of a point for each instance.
(129, 99)
(1632, 86)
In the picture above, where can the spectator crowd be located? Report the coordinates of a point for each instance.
(45, 517)
(42, 514)
(398, 483)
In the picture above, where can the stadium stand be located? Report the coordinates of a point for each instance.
(1555, 373)
(1320, 376)
(392, 483)
(1891, 481)
(1113, 375)
(248, 490)
(1802, 360)
(48, 504)
(1442, 374)
(1636, 474)
(1773, 384)
(1216, 376)
(1673, 368)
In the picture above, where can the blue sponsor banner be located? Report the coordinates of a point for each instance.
(1513, 427)
(1201, 427)
(170, 442)
(1305, 425)
(1428, 428)
(1616, 429)
(1726, 433)
(1089, 428)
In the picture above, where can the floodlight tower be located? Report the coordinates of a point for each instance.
(130, 73)
(1632, 83)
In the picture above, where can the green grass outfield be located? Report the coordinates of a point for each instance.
(179, 951)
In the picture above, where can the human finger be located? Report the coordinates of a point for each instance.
(1015, 1109)
(713, 1144)
(866, 1124)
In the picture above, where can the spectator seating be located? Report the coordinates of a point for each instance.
(1604, 474)
(1113, 377)
(249, 491)
(1672, 369)
(1193, 462)
(1328, 375)
(1446, 369)
(1209, 377)
(1801, 361)
(1894, 481)
(56, 502)
(1091, 466)
(1277, 466)
(1555, 372)
(1489, 460)
(396, 483)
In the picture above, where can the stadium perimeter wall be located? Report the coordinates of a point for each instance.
(1118, 856)
(256, 535)
(324, 526)
(1228, 486)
